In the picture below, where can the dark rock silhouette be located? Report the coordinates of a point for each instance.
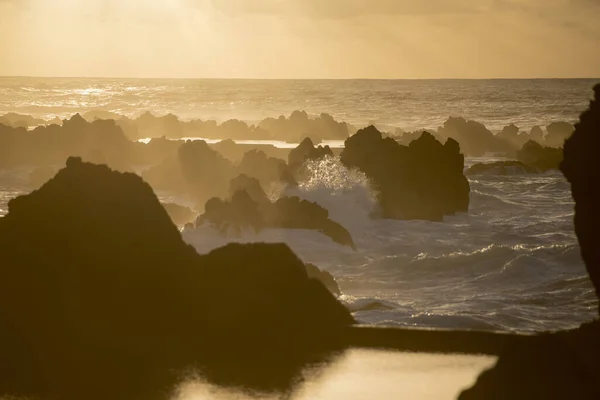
(268, 170)
(474, 138)
(180, 215)
(306, 150)
(421, 181)
(324, 277)
(501, 168)
(563, 365)
(536, 134)
(580, 167)
(52, 144)
(557, 133)
(544, 158)
(299, 125)
(112, 299)
(250, 207)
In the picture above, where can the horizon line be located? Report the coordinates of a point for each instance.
(294, 79)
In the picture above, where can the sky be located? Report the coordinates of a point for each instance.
(383, 39)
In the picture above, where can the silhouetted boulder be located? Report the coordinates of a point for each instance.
(180, 215)
(299, 126)
(324, 277)
(538, 156)
(112, 299)
(558, 132)
(424, 180)
(501, 168)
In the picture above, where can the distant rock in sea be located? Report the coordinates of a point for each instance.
(423, 180)
(501, 168)
(249, 207)
(543, 158)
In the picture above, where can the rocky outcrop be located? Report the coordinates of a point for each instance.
(113, 299)
(501, 168)
(306, 150)
(474, 138)
(424, 180)
(543, 158)
(268, 170)
(249, 207)
(581, 167)
(299, 125)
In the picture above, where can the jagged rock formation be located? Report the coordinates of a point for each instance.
(112, 299)
(540, 157)
(581, 167)
(305, 151)
(268, 170)
(299, 126)
(421, 181)
(250, 207)
(501, 168)
(474, 138)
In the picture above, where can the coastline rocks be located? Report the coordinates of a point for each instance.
(249, 207)
(112, 295)
(544, 158)
(501, 168)
(474, 138)
(299, 125)
(268, 170)
(424, 180)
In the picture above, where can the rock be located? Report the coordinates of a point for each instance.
(306, 150)
(268, 170)
(294, 213)
(501, 168)
(474, 138)
(249, 185)
(299, 126)
(558, 132)
(180, 215)
(536, 134)
(324, 277)
(538, 156)
(112, 298)
(424, 180)
(250, 207)
(581, 167)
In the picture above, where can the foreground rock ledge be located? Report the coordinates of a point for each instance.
(98, 286)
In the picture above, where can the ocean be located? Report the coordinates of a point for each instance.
(511, 264)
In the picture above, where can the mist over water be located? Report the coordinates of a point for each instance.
(511, 263)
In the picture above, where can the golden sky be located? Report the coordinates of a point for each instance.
(301, 38)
